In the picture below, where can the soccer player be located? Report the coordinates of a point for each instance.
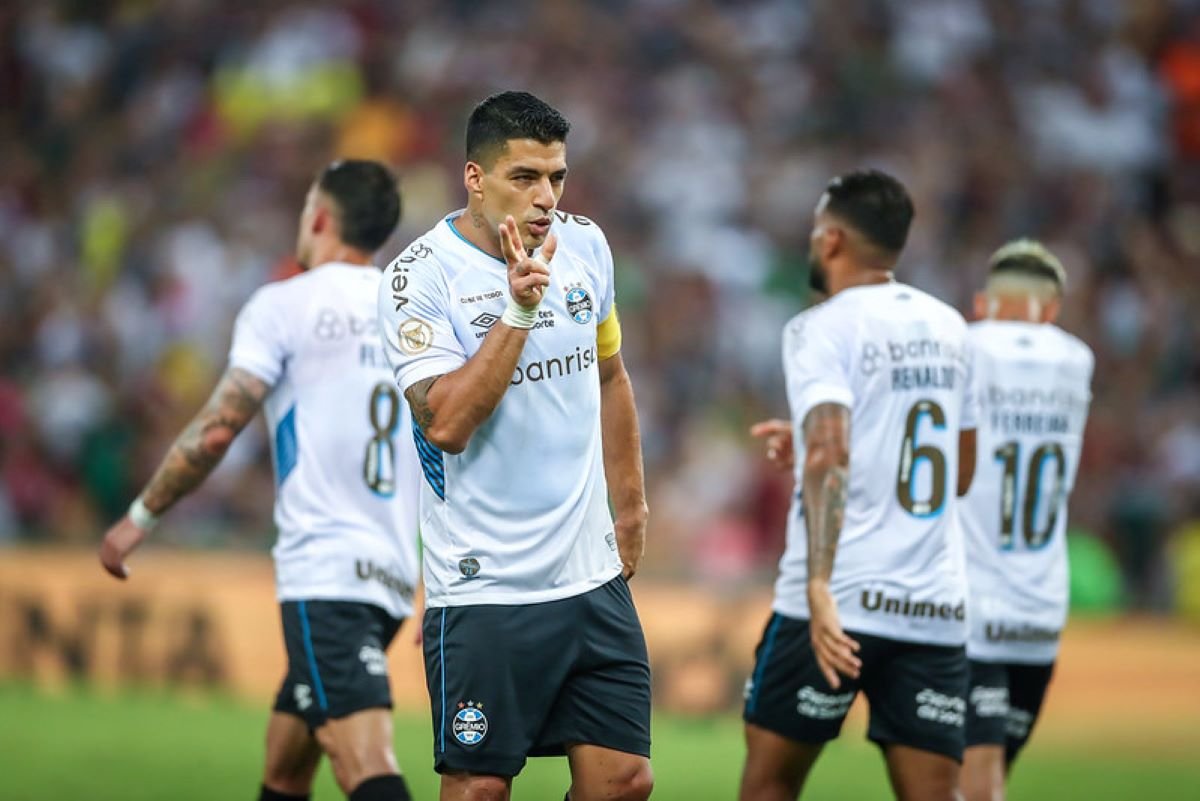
(502, 331)
(1034, 383)
(346, 480)
(871, 591)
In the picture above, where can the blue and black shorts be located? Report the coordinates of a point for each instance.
(916, 692)
(337, 659)
(511, 682)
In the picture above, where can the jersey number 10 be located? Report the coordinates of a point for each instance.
(1009, 454)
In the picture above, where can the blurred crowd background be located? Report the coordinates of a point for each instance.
(154, 157)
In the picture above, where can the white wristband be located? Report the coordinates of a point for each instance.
(142, 517)
(517, 316)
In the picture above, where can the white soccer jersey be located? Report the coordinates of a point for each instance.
(898, 359)
(1034, 388)
(346, 471)
(521, 516)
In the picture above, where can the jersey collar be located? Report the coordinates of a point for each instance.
(449, 220)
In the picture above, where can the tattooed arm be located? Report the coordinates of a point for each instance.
(450, 407)
(825, 486)
(194, 454)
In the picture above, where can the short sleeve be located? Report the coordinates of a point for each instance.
(262, 340)
(814, 366)
(414, 311)
(607, 274)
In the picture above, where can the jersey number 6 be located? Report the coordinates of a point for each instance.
(912, 454)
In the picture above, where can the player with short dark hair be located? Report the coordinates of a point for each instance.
(307, 351)
(501, 326)
(870, 594)
(1034, 384)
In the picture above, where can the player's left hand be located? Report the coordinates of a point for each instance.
(836, 652)
(630, 530)
(778, 436)
(120, 541)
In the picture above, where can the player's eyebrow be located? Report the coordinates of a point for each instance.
(521, 171)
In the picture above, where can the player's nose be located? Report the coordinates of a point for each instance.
(543, 196)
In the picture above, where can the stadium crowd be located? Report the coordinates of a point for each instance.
(152, 155)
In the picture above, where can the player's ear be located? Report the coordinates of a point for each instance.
(473, 178)
(980, 306)
(1051, 310)
(833, 242)
(321, 219)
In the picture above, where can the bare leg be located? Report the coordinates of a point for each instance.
(983, 773)
(292, 755)
(602, 774)
(776, 767)
(474, 787)
(919, 775)
(359, 747)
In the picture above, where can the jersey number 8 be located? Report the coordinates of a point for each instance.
(379, 463)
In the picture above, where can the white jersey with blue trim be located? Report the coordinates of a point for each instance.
(346, 472)
(1035, 389)
(898, 359)
(521, 515)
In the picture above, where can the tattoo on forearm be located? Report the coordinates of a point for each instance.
(418, 400)
(200, 447)
(826, 480)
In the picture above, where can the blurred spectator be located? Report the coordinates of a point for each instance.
(151, 153)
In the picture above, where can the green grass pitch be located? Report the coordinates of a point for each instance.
(137, 747)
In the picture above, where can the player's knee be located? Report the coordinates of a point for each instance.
(289, 775)
(982, 790)
(636, 784)
(354, 760)
(486, 788)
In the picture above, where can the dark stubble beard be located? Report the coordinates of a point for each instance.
(817, 277)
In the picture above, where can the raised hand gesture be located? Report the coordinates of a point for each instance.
(528, 276)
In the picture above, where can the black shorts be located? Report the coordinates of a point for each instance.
(1003, 703)
(915, 692)
(510, 682)
(337, 661)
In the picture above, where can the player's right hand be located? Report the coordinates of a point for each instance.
(118, 544)
(778, 436)
(836, 652)
(528, 276)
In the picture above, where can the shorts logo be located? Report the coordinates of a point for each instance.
(470, 725)
(579, 304)
(812, 703)
(303, 695)
(1019, 723)
(990, 702)
(469, 567)
(416, 336)
(941, 708)
(373, 659)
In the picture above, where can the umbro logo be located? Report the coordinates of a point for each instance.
(486, 320)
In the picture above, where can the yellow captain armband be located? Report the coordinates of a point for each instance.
(608, 335)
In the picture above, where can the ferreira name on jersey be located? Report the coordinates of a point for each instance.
(1035, 390)
(899, 360)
